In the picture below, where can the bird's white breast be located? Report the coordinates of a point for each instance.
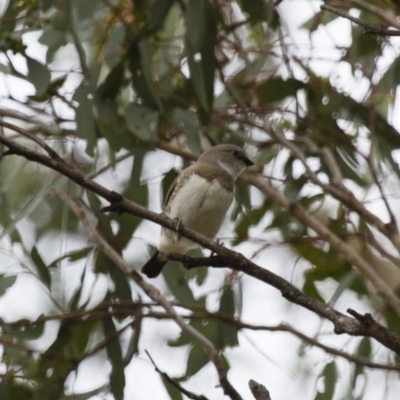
(201, 205)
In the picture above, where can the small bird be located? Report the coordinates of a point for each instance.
(199, 199)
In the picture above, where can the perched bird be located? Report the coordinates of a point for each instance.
(199, 198)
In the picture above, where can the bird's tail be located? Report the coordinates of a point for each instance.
(154, 266)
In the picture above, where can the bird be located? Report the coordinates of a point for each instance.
(199, 199)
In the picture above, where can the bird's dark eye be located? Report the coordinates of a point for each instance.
(236, 153)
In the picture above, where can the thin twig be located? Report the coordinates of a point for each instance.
(124, 310)
(175, 384)
(342, 323)
(387, 16)
(103, 169)
(370, 29)
(34, 138)
(154, 294)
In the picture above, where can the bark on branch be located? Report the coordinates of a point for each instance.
(342, 323)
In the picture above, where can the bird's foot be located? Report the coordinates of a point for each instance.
(220, 243)
(178, 227)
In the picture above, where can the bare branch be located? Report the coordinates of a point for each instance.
(351, 255)
(259, 391)
(387, 16)
(342, 323)
(370, 29)
(165, 376)
(34, 138)
(155, 295)
(124, 310)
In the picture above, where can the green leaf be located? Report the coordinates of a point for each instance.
(364, 350)
(310, 290)
(277, 89)
(6, 282)
(76, 296)
(31, 200)
(173, 392)
(175, 276)
(110, 87)
(137, 192)
(363, 50)
(11, 390)
(28, 331)
(242, 197)
(72, 256)
(258, 10)
(201, 33)
(186, 120)
(227, 334)
(84, 117)
(114, 352)
(54, 40)
(199, 273)
(140, 65)
(157, 14)
(142, 122)
(345, 282)
(196, 361)
(41, 266)
(122, 290)
(83, 333)
(329, 375)
(253, 217)
(385, 93)
(113, 127)
(39, 75)
(320, 18)
(8, 19)
(227, 301)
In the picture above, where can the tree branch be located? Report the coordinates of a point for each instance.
(175, 384)
(368, 28)
(155, 295)
(34, 138)
(342, 323)
(259, 391)
(124, 310)
(325, 233)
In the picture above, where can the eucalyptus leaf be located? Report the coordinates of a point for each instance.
(39, 75)
(114, 352)
(142, 121)
(330, 377)
(201, 30)
(6, 282)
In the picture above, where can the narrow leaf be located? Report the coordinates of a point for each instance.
(114, 352)
(201, 33)
(39, 75)
(41, 266)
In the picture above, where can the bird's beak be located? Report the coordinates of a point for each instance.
(248, 162)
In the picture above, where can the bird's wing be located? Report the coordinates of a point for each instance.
(177, 182)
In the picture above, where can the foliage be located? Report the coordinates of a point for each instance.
(105, 84)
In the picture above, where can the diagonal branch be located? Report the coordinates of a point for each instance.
(155, 295)
(325, 233)
(342, 323)
(359, 326)
(175, 384)
(368, 28)
(34, 138)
